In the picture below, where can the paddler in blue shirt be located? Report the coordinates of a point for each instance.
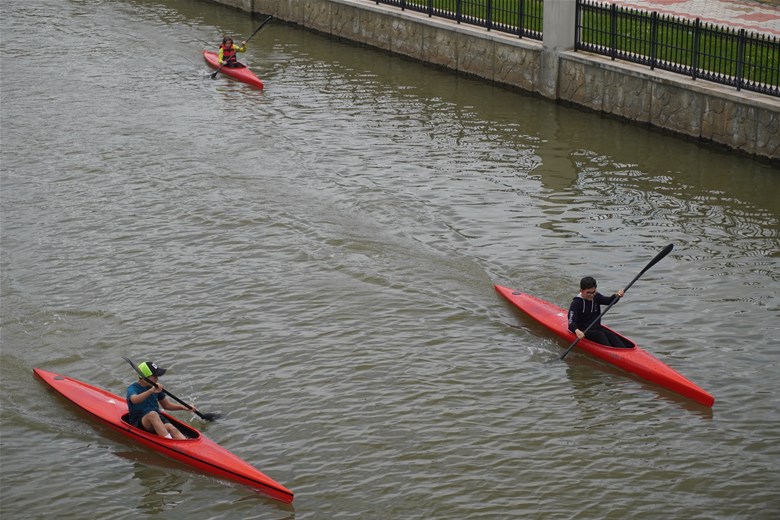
(585, 308)
(227, 53)
(144, 400)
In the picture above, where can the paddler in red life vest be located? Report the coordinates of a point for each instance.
(227, 53)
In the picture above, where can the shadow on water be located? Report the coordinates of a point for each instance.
(582, 370)
(166, 489)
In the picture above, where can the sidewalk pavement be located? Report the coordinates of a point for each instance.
(739, 14)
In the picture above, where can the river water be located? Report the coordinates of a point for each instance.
(316, 261)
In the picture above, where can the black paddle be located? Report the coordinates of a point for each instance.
(654, 261)
(206, 416)
(214, 75)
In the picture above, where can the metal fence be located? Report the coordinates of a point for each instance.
(723, 55)
(737, 58)
(519, 17)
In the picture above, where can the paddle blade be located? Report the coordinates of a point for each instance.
(211, 417)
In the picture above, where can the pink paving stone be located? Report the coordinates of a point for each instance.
(668, 2)
(744, 14)
(760, 17)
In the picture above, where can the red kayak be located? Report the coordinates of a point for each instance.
(197, 451)
(239, 73)
(634, 360)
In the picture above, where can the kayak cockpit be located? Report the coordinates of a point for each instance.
(626, 341)
(190, 433)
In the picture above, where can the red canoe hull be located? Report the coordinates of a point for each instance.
(198, 451)
(241, 74)
(634, 360)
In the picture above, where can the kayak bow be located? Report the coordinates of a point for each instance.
(197, 451)
(239, 73)
(634, 360)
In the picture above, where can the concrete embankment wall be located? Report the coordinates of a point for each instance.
(741, 120)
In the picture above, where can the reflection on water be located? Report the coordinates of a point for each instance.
(163, 490)
(589, 377)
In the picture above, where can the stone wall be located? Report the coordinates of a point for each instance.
(745, 121)
(244, 5)
(742, 120)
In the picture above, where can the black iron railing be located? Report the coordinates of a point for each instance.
(519, 17)
(733, 57)
(723, 55)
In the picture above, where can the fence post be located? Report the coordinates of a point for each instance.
(430, 8)
(520, 18)
(741, 60)
(613, 31)
(459, 11)
(695, 57)
(577, 24)
(489, 15)
(653, 38)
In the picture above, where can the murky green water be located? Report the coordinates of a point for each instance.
(316, 261)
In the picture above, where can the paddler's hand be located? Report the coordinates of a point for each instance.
(157, 389)
(620, 293)
(243, 43)
(579, 334)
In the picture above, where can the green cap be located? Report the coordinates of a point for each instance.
(149, 369)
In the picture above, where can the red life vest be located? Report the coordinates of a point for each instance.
(228, 55)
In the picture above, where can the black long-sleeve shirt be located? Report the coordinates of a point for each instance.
(582, 312)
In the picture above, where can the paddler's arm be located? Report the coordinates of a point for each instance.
(602, 299)
(142, 396)
(574, 317)
(242, 48)
(168, 404)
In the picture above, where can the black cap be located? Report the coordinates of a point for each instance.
(149, 369)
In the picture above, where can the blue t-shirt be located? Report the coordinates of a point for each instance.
(150, 404)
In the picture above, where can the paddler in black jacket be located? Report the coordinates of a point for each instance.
(585, 308)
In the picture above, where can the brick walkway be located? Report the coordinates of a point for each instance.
(740, 14)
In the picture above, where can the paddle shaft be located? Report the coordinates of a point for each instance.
(214, 74)
(166, 392)
(654, 261)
